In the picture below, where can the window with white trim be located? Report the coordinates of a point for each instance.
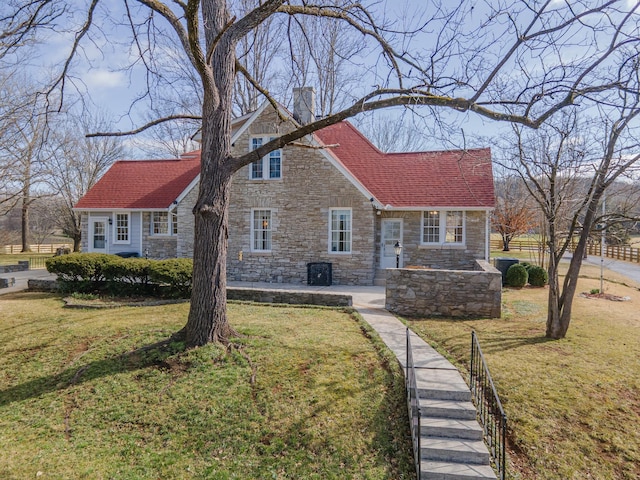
(261, 230)
(443, 227)
(159, 223)
(340, 230)
(268, 167)
(121, 231)
(174, 223)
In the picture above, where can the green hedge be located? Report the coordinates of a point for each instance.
(175, 274)
(102, 273)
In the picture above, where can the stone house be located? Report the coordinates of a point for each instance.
(328, 208)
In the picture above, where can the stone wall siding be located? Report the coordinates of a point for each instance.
(448, 293)
(300, 204)
(441, 256)
(159, 246)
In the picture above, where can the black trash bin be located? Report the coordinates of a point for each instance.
(503, 265)
(319, 274)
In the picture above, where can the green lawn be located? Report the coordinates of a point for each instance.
(13, 259)
(303, 393)
(574, 404)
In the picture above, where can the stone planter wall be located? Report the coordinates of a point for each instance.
(448, 293)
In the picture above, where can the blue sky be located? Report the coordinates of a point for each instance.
(101, 72)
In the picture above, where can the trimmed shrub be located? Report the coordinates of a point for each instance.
(175, 274)
(526, 265)
(517, 276)
(538, 276)
(128, 276)
(80, 272)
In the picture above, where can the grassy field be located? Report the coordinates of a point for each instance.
(573, 404)
(303, 393)
(13, 259)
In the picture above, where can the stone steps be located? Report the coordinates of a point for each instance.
(451, 440)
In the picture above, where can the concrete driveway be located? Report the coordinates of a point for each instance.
(22, 278)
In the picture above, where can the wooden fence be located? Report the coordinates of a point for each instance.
(626, 253)
(516, 245)
(45, 248)
(629, 254)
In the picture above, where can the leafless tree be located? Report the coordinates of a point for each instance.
(74, 165)
(513, 215)
(513, 61)
(24, 132)
(567, 167)
(394, 133)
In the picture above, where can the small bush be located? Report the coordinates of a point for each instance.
(517, 276)
(526, 265)
(538, 276)
(175, 273)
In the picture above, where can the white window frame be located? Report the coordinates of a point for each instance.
(153, 222)
(331, 232)
(268, 231)
(265, 162)
(116, 227)
(172, 221)
(443, 227)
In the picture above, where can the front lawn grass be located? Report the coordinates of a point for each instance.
(303, 393)
(574, 404)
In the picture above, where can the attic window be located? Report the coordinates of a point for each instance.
(268, 167)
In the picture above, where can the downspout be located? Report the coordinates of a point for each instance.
(487, 239)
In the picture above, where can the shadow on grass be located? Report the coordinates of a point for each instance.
(140, 358)
(496, 345)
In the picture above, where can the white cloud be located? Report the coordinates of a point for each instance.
(101, 78)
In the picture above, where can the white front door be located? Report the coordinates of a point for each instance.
(391, 233)
(98, 234)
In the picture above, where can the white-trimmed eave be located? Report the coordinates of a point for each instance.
(391, 208)
(124, 209)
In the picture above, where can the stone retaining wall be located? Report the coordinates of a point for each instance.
(247, 294)
(449, 293)
(38, 285)
(289, 296)
(22, 266)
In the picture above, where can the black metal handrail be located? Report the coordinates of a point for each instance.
(490, 411)
(413, 404)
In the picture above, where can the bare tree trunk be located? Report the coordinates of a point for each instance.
(26, 237)
(207, 320)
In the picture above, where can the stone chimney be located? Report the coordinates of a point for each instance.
(304, 105)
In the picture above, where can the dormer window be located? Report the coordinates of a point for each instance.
(268, 167)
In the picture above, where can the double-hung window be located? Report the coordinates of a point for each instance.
(261, 230)
(159, 223)
(121, 231)
(443, 227)
(340, 231)
(268, 167)
(164, 223)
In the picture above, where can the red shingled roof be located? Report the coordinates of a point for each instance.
(142, 184)
(454, 178)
